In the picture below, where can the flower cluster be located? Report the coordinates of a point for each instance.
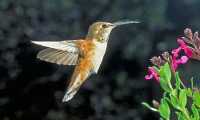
(178, 101)
(175, 58)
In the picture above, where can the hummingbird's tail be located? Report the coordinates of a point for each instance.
(69, 95)
(72, 88)
(74, 85)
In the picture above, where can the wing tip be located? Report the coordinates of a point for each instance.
(36, 42)
(33, 41)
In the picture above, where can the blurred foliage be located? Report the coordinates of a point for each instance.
(32, 89)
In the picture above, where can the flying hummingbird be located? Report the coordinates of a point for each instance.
(86, 54)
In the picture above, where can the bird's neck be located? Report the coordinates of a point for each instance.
(98, 38)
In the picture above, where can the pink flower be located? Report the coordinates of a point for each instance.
(177, 62)
(184, 47)
(152, 73)
(175, 54)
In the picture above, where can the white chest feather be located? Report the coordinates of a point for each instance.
(99, 54)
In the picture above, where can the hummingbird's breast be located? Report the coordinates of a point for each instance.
(99, 52)
(92, 56)
(87, 51)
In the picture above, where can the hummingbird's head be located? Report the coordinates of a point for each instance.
(100, 31)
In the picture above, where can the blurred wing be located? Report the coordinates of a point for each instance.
(63, 52)
(68, 45)
(58, 56)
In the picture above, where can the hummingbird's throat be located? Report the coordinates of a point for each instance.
(99, 36)
(104, 34)
(102, 39)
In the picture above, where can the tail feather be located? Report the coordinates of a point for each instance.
(78, 78)
(72, 88)
(69, 95)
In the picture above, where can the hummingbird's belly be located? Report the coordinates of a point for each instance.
(98, 55)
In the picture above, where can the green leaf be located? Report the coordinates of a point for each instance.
(164, 85)
(174, 101)
(183, 98)
(174, 92)
(189, 92)
(149, 107)
(164, 109)
(165, 77)
(195, 112)
(196, 98)
(180, 116)
(165, 72)
(178, 80)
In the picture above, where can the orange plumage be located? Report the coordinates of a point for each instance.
(85, 61)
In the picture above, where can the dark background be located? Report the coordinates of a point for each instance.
(31, 89)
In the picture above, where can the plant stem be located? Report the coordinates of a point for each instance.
(184, 111)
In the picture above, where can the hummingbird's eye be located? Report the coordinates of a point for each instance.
(104, 26)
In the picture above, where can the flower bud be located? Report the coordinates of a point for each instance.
(156, 104)
(188, 33)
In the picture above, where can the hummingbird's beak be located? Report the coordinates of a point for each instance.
(124, 23)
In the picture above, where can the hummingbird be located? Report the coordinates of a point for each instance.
(86, 54)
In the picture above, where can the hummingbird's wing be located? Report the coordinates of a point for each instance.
(58, 56)
(61, 52)
(68, 45)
